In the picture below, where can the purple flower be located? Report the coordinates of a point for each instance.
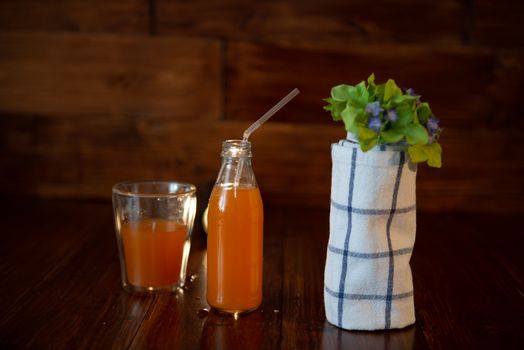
(374, 108)
(411, 92)
(391, 115)
(432, 125)
(432, 138)
(374, 123)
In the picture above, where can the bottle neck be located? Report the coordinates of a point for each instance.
(236, 167)
(236, 160)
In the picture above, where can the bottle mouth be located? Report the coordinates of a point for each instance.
(236, 148)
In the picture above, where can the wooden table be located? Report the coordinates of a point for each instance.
(61, 286)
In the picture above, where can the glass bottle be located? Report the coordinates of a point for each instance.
(235, 227)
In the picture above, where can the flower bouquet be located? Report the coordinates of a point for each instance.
(367, 280)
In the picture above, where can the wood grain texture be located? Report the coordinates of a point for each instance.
(303, 316)
(486, 284)
(292, 163)
(334, 21)
(464, 86)
(81, 75)
(115, 16)
(468, 285)
(498, 24)
(81, 112)
(43, 258)
(66, 282)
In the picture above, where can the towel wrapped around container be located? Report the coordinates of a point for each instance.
(367, 280)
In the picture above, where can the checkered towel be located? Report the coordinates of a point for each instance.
(367, 280)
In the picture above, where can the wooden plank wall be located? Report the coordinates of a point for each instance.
(92, 93)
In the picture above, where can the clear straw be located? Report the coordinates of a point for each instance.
(270, 113)
(256, 125)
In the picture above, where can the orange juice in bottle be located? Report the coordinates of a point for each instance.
(235, 228)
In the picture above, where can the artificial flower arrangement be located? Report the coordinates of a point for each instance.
(383, 114)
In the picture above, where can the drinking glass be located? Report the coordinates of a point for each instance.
(153, 223)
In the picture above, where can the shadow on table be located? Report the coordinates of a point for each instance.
(225, 332)
(335, 338)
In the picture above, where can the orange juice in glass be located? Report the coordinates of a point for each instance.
(235, 234)
(153, 249)
(153, 221)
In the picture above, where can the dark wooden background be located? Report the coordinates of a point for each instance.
(96, 92)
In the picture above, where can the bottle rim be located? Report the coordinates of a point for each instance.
(236, 148)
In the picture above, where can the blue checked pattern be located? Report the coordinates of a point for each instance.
(368, 283)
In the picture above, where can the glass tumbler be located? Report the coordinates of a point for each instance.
(153, 223)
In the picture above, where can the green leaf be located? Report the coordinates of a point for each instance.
(356, 96)
(342, 92)
(434, 153)
(336, 110)
(368, 144)
(417, 153)
(391, 136)
(379, 93)
(361, 95)
(371, 94)
(361, 87)
(371, 88)
(335, 107)
(391, 90)
(415, 117)
(367, 134)
(416, 134)
(329, 107)
(423, 112)
(351, 116)
(405, 115)
(430, 153)
(371, 79)
(400, 99)
(367, 138)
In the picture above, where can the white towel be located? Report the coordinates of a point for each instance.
(367, 280)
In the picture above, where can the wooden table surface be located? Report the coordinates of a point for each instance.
(61, 286)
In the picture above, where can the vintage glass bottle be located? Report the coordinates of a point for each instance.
(235, 234)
